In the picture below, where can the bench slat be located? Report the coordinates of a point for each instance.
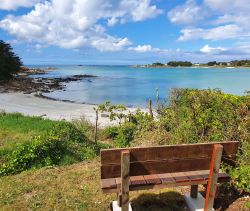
(152, 179)
(184, 151)
(108, 183)
(167, 180)
(156, 167)
(194, 176)
(137, 180)
(180, 177)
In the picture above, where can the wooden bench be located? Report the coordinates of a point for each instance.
(130, 169)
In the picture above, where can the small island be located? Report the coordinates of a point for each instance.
(213, 64)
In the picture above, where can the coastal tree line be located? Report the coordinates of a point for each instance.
(234, 63)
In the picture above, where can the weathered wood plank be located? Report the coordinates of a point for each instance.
(166, 178)
(213, 177)
(137, 180)
(113, 156)
(152, 179)
(180, 177)
(108, 183)
(125, 166)
(194, 175)
(166, 181)
(156, 167)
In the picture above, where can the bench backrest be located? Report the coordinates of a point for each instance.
(165, 159)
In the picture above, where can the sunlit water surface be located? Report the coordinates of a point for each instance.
(134, 86)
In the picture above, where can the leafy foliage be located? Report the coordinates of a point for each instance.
(37, 153)
(115, 111)
(157, 64)
(180, 64)
(10, 63)
(213, 63)
(125, 134)
(241, 63)
(62, 144)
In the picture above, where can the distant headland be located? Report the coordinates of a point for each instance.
(214, 64)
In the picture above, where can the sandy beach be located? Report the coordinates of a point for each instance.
(28, 104)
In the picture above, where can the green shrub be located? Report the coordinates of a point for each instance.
(67, 131)
(241, 177)
(125, 135)
(40, 152)
(62, 144)
(111, 132)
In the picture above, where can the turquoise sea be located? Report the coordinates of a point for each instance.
(134, 86)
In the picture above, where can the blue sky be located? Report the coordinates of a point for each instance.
(126, 31)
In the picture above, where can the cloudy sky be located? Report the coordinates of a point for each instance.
(126, 31)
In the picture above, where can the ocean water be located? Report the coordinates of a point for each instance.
(134, 86)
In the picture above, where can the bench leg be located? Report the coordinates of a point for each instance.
(119, 199)
(194, 191)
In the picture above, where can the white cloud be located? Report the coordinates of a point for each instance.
(216, 33)
(141, 48)
(110, 44)
(228, 5)
(208, 49)
(220, 19)
(140, 10)
(76, 23)
(14, 4)
(188, 13)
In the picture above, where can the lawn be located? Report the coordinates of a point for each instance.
(74, 187)
(16, 128)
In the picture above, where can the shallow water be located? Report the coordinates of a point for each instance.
(134, 86)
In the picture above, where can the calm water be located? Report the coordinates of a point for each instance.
(134, 86)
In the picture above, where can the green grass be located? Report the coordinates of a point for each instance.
(16, 128)
(33, 142)
(75, 187)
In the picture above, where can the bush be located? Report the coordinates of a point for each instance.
(67, 132)
(125, 134)
(241, 177)
(40, 152)
(62, 144)
(111, 132)
(180, 63)
(10, 63)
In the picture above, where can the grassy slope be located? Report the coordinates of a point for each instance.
(73, 187)
(15, 128)
(77, 187)
(69, 187)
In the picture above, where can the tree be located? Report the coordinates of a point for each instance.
(213, 63)
(157, 64)
(10, 63)
(180, 64)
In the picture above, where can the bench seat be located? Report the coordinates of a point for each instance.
(154, 181)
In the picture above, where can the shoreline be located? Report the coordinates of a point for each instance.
(24, 82)
(178, 67)
(31, 105)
